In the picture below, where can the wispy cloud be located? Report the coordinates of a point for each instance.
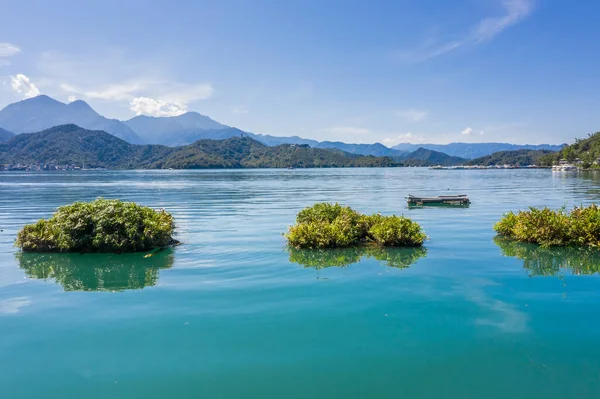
(8, 49)
(147, 97)
(347, 130)
(514, 12)
(411, 114)
(23, 85)
(469, 131)
(239, 110)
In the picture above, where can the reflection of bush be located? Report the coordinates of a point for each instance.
(541, 261)
(342, 257)
(96, 272)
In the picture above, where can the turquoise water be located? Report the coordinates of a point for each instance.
(230, 313)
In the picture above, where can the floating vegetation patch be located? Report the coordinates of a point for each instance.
(326, 225)
(543, 261)
(342, 257)
(548, 228)
(99, 226)
(96, 272)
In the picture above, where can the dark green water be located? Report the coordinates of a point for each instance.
(230, 313)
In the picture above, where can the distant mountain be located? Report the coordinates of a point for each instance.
(70, 144)
(5, 135)
(475, 150)
(425, 157)
(514, 158)
(179, 130)
(377, 149)
(42, 112)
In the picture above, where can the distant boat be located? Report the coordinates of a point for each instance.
(439, 200)
(290, 167)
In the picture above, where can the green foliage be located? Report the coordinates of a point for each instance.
(514, 158)
(425, 157)
(96, 272)
(327, 225)
(580, 227)
(587, 150)
(72, 145)
(99, 226)
(541, 261)
(341, 257)
(396, 231)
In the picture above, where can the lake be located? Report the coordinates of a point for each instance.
(231, 313)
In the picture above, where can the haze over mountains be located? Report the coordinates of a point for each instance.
(42, 112)
(5, 135)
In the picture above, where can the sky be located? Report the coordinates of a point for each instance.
(419, 71)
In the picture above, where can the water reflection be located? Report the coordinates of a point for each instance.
(97, 272)
(539, 261)
(341, 257)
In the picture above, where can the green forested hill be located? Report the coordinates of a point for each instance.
(425, 157)
(587, 150)
(70, 144)
(516, 158)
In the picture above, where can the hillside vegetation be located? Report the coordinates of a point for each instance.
(516, 158)
(587, 150)
(70, 144)
(425, 157)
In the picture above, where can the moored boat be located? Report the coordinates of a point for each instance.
(461, 199)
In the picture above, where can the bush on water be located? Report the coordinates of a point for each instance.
(99, 226)
(326, 225)
(548, 228)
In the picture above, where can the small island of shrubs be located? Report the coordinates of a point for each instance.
(99, 226)
(326, 225)
(549, 228)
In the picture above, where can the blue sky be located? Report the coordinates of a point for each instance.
(521, 71)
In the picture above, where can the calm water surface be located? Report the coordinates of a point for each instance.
(230, 313)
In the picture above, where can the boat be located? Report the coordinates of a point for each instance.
(461, 199)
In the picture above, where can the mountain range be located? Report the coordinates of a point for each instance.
(73, 145)
(475, 150)
(42, 112)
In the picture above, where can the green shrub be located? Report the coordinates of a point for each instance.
(332, 226)
(396, 231)
(547, 227)
(99, 226)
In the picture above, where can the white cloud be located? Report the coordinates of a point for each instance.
(154, 107)
(347, 130)
(72, 98)
(239, 110)
(23, 85)
(8, 50)
(411, 114)
(467, 132)
(486, 29)
(403, 138)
